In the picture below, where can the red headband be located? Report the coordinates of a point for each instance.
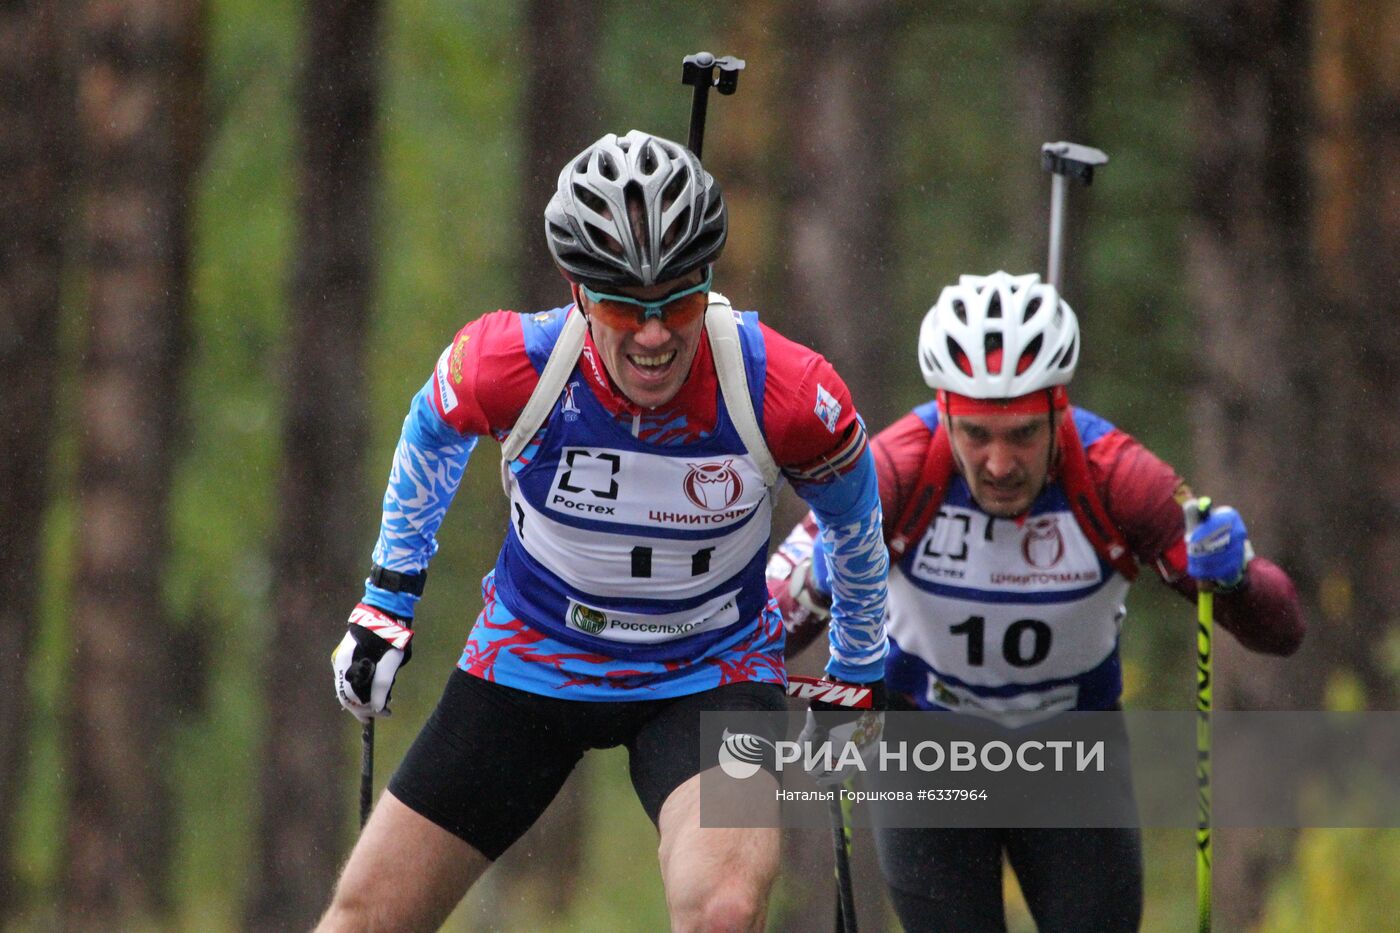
(1039, 402)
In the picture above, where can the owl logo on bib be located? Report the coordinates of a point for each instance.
(1043, 546)
(713, 487)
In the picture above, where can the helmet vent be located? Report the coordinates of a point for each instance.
(994, 307)
(673, 233)
(960, 309)
(648, 162)
(592, 201)
(1032, 307)
(562, 233)
(1030, 353)
(672, 191)
(991, 352)
(605, 239)
(991, 349)
(956, 353)
(636, 211)
(607, 167)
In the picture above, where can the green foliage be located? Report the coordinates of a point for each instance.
(1340, 879)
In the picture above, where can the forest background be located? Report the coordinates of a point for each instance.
(235, 235)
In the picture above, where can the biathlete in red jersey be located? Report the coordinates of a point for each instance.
(1015, 524)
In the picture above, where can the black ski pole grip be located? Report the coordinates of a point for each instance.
(1197, 512)
(361, 678)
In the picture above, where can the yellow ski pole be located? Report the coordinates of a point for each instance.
(1197, 512)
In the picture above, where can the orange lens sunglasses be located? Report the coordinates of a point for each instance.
(677, 309)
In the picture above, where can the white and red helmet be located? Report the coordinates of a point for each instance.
(999, 337)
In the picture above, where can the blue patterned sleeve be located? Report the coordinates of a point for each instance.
(848, 516)
(428, 466)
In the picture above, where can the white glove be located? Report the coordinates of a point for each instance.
(368, 659)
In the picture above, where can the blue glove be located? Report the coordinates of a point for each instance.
(1217, 545)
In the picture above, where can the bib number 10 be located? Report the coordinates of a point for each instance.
(1025, 644)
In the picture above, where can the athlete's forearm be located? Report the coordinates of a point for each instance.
(1265, 614)
(428, 466)
(848, 512)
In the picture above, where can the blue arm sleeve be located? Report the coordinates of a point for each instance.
(848, 516)
(821, 570)
(428, 466)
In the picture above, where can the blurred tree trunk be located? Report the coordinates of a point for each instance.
(35, 127)
(1356, 238)
(840, 135)
(561, 115)
(307, 772)
(561, 112)
(744, 153)
(139, 78)
(1267, 411)
(839, 224)
(1053, 77)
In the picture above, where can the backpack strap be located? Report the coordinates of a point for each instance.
(556, 372)
(1088, 508)
(1084, 501)
(922, 506)
(729, 366)
(734, 384)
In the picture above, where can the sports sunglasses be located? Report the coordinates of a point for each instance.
(677, 309)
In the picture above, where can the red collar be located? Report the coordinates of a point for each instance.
(696, 400)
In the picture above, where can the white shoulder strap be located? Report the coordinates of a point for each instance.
(734, 384)
(729, 366)
(556, 372)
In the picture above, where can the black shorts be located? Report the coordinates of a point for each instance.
(950, 880)
(491, 758)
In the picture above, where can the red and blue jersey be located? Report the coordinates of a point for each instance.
(633, 560)
(1022, 617)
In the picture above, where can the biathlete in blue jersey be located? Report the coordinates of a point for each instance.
(1015, 525)
(645, 428)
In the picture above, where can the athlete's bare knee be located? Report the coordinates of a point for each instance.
(734, 908)
(348, 912)
(725, 907)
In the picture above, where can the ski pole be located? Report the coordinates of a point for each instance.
(366, 771)
(1064, 160)
(1205, 622)
(812, 688)
(699, 70)
(845, 891)
(361, 677)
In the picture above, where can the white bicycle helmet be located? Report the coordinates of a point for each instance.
(634, 210)
(1035, 330)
